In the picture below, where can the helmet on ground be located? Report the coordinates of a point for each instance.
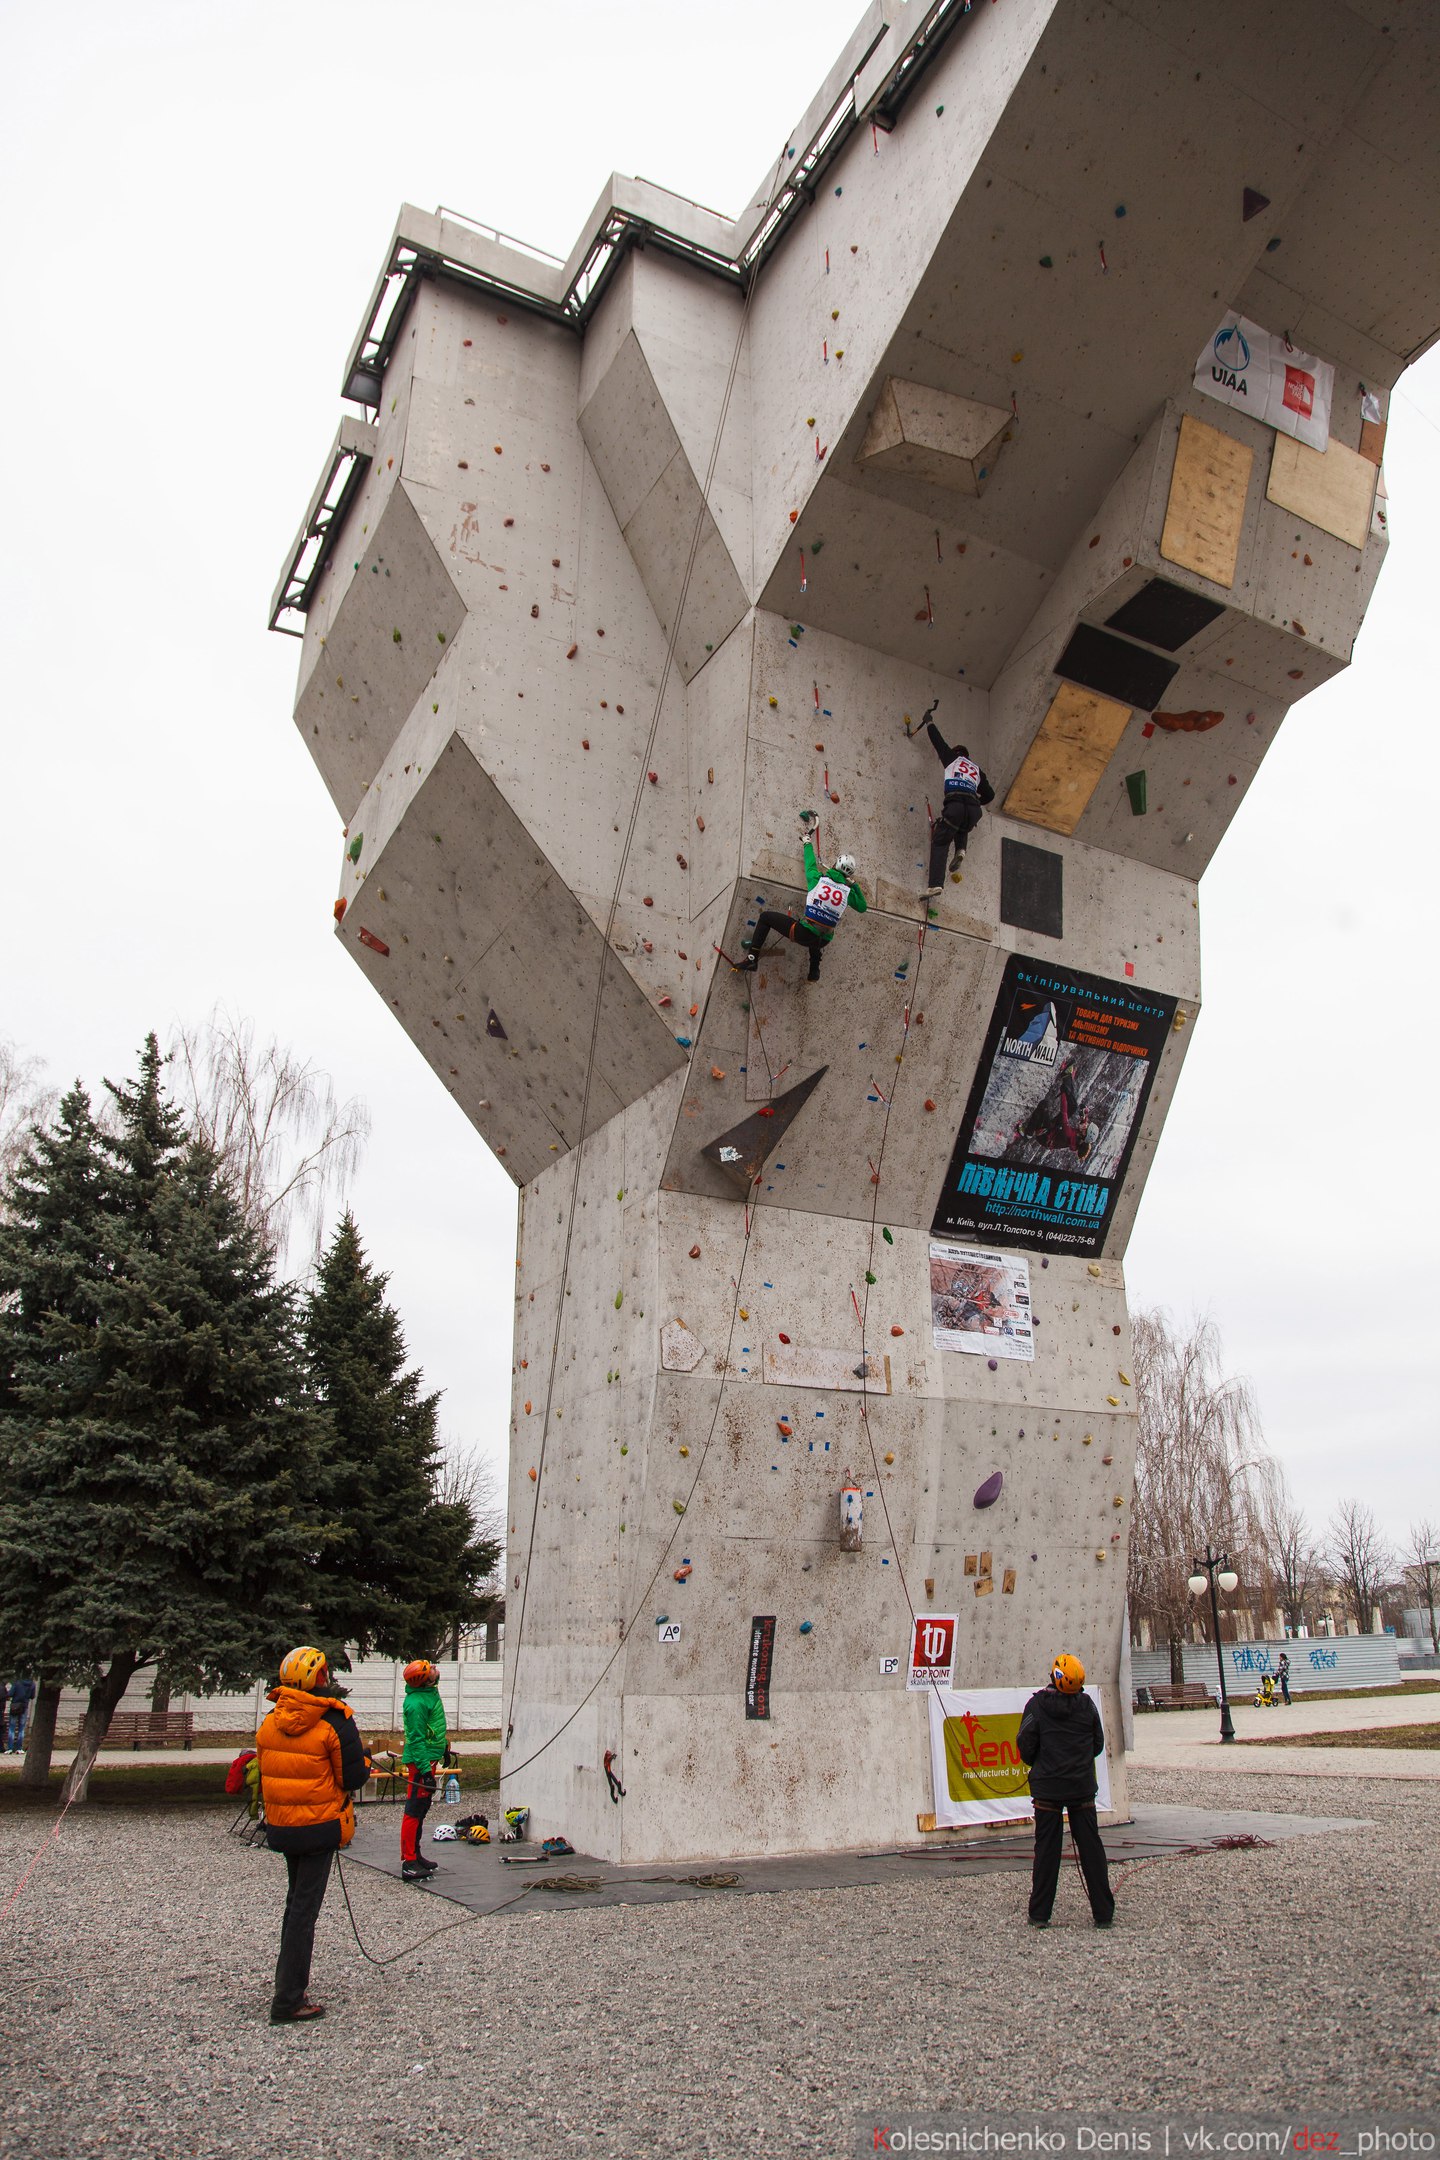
(306, 1668)
(421, 1673)
(1068, 1674)
(845, 864)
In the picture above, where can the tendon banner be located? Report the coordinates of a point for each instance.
(1063, 1079)
(975, 1761)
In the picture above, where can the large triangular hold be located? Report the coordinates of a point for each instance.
(741, 1152)
(1252, 203)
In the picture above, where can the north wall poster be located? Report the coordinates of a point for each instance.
(1064, 1076)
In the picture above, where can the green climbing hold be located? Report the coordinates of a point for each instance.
(395, 637)
(1046, 262)
(621, 1194)
(353, 851)
(889, 1240)
(619, 1299)
(679, 1506)
(868, 1276)
(439, 634)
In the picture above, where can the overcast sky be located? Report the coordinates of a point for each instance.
(200, 200)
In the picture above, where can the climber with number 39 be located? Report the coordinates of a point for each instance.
(828, 893)
(966, 790)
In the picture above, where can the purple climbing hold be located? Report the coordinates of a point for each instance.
(987, 1494)
(993, 1363)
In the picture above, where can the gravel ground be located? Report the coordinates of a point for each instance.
(137, 1973)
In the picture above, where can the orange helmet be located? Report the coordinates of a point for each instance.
(1068, 1674)
(421, 1673)
(306, 1668)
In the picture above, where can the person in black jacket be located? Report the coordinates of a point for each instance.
(1060, 1737)
(966, 789)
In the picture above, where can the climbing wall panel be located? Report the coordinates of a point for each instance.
(1205, 514)
(1063, 766)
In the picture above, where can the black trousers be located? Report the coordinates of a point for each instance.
(787, 926)
(1049, 1834)
(308, 1872)
(959, 815)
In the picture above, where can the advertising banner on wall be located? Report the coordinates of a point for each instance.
(1064, 1076)
(974, 1759)
(1261, 374)
(980, 1301)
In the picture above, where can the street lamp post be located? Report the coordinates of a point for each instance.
(1215, 1567)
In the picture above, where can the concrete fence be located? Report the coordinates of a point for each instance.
(1321, 1661)
(469, 1689)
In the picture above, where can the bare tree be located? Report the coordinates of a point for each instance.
(467, 1480)
(26, 1100)
(1421, 1571)
(1362, 1561)
(1199, 1458)
(1294, 1561)
(289, 1148)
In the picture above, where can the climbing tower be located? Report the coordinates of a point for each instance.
(1044, 376)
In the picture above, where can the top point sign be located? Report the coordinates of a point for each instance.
(932, 1651)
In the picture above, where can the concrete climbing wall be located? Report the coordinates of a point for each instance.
(638, 567)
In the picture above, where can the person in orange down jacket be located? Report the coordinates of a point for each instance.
(311, 1763)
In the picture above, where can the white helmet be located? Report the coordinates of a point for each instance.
(845, 864)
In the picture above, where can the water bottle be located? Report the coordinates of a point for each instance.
(452, 1790)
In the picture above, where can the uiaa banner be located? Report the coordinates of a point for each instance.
(975, 1761)
(1063, 1080)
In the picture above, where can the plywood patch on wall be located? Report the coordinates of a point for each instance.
(1206, 509)
(1063, 765)
(1333, 488)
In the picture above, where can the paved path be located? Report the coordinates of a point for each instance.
(1190, 1739)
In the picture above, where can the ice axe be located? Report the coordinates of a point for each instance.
(911, 731)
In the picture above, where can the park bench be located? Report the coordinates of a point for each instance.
(150, 1728)
(1179, 1694)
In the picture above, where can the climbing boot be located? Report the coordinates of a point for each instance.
(414, 1871)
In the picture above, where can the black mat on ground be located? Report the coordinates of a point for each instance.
(477, 1876)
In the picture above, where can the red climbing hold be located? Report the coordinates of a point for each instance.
(572, 652)
(897, 1331)
(585, 742)
(647, 901)
(929, 1105)
(368, 937)
(784, 1338)
(694, 1252)
(765, 1110)
(653, 778)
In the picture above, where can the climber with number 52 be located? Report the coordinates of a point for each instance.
(966, 790)
(828, 893)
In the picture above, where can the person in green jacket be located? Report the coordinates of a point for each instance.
(828, 893)
(427, 1747)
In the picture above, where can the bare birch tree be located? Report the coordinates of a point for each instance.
(1198, 1474)
(289, 1148)
(26, 1100)
(467, 1480)
(1362, 1562)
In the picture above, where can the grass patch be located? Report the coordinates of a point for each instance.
(1241, 1693)
(1384, 1736)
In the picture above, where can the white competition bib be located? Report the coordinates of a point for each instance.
(962, 776)
(825, 902)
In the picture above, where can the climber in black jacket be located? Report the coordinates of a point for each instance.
(966, 789)
(1060, 1737)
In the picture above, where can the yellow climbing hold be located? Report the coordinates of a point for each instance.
(744, 1315)
(890, 1457)
(1125, 1380)
(1114, 1401)
(679, 1506)
(1092, 1267)
(684, 1451)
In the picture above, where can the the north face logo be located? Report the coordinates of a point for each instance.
(1299, 392)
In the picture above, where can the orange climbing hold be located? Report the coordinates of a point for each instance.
(340, 907)
(783, 1425)
(897, 1331)
(929, 1105)
(716, 1073)
(527, 1409)
(533, 1475)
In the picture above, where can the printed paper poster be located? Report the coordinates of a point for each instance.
(1064, 1076)
(975, 1761)
(1258, 373)
(980, 1301)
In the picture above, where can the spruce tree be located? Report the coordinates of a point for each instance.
(406, 1565)
(159, 1457)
